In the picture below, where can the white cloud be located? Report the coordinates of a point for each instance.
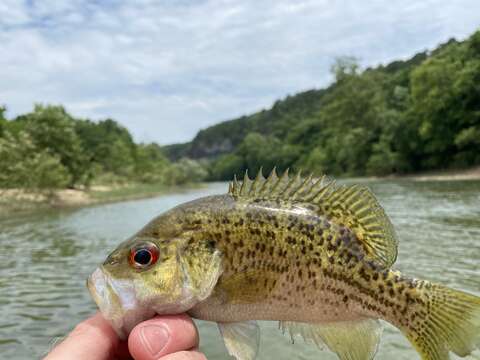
(166, 69)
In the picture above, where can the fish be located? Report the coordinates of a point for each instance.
(315, 256)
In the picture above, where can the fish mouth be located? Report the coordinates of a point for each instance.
(117, 301)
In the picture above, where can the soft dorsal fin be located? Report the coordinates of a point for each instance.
(352, 206)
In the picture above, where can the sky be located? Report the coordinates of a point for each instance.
(165, 68)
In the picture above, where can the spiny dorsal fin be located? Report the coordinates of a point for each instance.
(353, 206)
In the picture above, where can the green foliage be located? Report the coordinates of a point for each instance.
(226, 165)
(267, 151)
(53, 130)
(24, 165)
(407, 116)
(344, 68)
(3, 120)
(48, 149)
(185, 171)
(151, 164)
(109, 145)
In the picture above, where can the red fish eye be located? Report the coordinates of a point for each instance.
(143, 256)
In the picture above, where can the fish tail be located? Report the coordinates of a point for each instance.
(442, 320)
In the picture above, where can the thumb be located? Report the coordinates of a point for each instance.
(169, 336)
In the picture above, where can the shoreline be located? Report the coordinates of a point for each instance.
(438, 175)
(17, 201)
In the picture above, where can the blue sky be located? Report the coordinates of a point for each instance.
(166, 69)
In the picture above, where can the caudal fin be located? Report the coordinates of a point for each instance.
(445, 320)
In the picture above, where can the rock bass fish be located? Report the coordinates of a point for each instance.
(306, 252)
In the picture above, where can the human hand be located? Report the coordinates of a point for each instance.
(161, 338)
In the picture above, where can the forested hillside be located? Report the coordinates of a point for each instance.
(405, 117)
(50, 149)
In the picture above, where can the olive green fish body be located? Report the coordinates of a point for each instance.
(284, 261)
(289, 260)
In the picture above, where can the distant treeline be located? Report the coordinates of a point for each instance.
(48, 148)
(408, 116)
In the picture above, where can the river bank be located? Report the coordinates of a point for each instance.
(442, 175)
(16, 201)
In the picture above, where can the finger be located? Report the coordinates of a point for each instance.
(163, 335)
(185, 355)
(91, 339)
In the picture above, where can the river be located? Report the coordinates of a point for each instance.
(45, 258)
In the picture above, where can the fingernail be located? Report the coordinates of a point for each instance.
(154, 338)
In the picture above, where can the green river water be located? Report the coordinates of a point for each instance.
(45, 258)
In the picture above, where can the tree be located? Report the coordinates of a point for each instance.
(109, 145)
(3, 120)
(344, 67)
(226, 166)
(26, 166)
(185, 171)
(150, 163)
(53, 130)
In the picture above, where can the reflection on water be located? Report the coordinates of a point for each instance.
(45, 258)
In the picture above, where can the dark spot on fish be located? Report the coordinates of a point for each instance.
(211, 244)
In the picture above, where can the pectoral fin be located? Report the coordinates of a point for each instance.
(201, 266)
(350, 340)
(241, 339)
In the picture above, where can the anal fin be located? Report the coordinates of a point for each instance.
(350, 340)
(241, 339)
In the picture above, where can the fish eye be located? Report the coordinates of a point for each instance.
(143, 256)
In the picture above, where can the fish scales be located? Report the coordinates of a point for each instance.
(300, 265)
(312, 255)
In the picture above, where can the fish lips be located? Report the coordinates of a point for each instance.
(118, 302)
